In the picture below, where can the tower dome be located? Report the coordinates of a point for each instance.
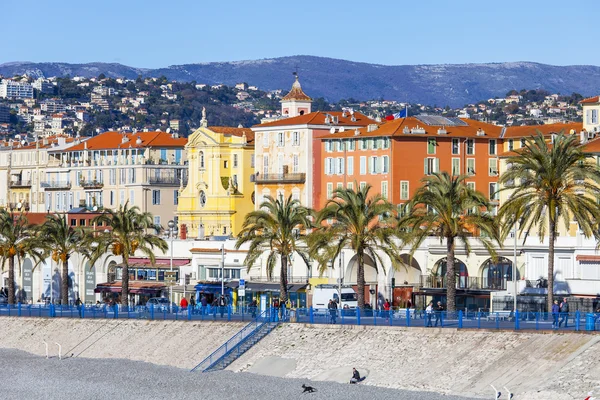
(296, 102)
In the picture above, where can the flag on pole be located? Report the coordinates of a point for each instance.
(401, 114)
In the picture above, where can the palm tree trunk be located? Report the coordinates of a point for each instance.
(64, 288)
(11, 280)
(360, 281)
(551, 265)
(125, 282)
(450, 276)
(283, 288)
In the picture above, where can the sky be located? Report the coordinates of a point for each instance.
(152, 33)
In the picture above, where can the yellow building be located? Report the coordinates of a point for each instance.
(219, 192)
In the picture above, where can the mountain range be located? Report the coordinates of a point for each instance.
(335, 79)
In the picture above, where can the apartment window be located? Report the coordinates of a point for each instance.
(511, 144)
(350, 186)
(339, 145)
(493, 167)
(81, 222)
(471, 185)
(329, 190)
(295, 138)
(363, 165)
(374, 167)
(79, 178)
(456, 166)
(122, 176)
(112, 198)
(363, 144)
(176, 197)
(156, 197)
(202, 160)
(122, 197)
(339, 186)
(431, 144)
(178, 154)
(470, 147)
(385, 164)
(340, 166)
(295, 163)
(73, 222)
(492, 146)
(470, 166)
(266, 164)
(131, 197)
(328, 166)
(280, 139)
(225, 163)
(157, 221)
(328, 146)
(235, 161)
(403, 190)
(494, 195)
(351, 145)
(523, 141)
(112, 176)
(363, 185)
(432, 165)
(375, 144)
(455, 146)
(594, 117)
(132, 175)
(384, 189)
(266, 139)
(350, 167)
(386, 143)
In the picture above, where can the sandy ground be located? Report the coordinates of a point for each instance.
(536, 366)
(34, 377)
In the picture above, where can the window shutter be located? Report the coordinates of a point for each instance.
(437, 165)
(426, 166)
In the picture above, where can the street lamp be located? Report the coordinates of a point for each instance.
(172, 230)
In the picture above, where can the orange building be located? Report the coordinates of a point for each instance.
(393, 157)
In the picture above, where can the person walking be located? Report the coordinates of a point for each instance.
(429, 313)
(193, 303)
(555, 311)
(214, 306)
(564, 311)
(79, 304)
(204, 304)
(386, 308)
(439, 309)
(222, 305)
(183, 304)
(332, 306)
(253, 307)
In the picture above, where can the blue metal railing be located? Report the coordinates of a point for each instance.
(246, 332)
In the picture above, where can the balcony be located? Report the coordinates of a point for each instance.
(275, 279)
(280, 178)
(167, 180)
(23, 206)
(93, 184)
(56, 185)
(20, 183)
(464, 283)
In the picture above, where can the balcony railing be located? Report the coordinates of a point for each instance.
(280, 178)
(167, 180)
(20, 183)
(94, 184)
(23, 206)
(275, 279)
(464, 282)
(56, 185)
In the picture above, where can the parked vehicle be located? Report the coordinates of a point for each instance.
(325, 292)
(160, 304)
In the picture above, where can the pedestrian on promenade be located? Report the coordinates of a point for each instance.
(429, 313)
(439, 309)
(555, 311)
(332, 306)
(215, 305)
(386, 307)
(78, 303)
(564, 310)
(193, 302)
(183, 304)
(222, 305)
(355, 376)
(253, 307)
(204, 304)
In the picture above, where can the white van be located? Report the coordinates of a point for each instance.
(324, 292)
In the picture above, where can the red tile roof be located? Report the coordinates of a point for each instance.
(228, 130)
(595, 99)
(549, 129)
(593, 146)
(296, 93)
(44, 143)
(397, 127)
(114, 140)
(318, 118)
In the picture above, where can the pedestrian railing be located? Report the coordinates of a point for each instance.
(575, 321)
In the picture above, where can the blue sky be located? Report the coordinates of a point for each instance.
(152, 33)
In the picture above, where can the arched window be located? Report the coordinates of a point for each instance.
(201, 156)
(495, 275)
(462, 275)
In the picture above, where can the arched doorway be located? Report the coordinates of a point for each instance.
(371, 275)
(495, 274)
(460, 269)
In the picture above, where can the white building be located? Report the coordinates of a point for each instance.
(15, 90)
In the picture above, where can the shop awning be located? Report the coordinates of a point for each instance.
(135, 287)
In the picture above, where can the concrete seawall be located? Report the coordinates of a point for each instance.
(534, 365)
(176, 343)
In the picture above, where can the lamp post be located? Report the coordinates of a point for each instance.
(514, 268)
(222, 269)
(171, 226)
(340, 279)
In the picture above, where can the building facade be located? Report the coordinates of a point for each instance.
(10, 89)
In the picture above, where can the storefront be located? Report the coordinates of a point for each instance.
(212, 290)
(142, 269)
(139, 292)
(296, 293)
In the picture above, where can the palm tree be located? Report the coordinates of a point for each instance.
(554, 178)
(361, 222)
(446, 207)
(127, 234)
(17, 239)
(277, 228)
(61, 240)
